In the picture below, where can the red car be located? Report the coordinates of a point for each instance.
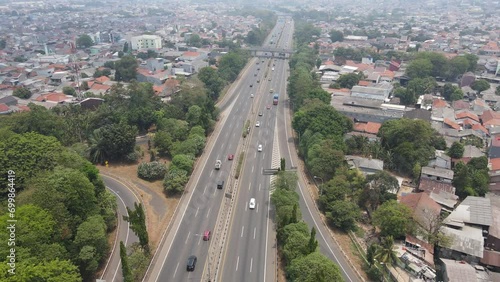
(268, 107)
(206, 235)
(230, 157)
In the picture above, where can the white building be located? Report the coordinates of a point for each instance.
(146, 42)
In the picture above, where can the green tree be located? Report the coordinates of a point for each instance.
(386, 253)
(314, 267)
(137, 220)
(212, 80)
(138, 261)
(126, 271)
(282, 164)
(419, 68)
(298, 227)
(458, 66)
(379, 189)
(321, 118)
(184, 162)
(440, 64)
(480, 85)
(194, 40)
(296, 246)
(324, 159)
(126, 68)
(336, 36)
(472, 61)
(53, 270)
(92, 244)
(393, 219)
(33, 153)
(84, 41)
(286, 180)
(125, 48)
(348, 80)
(111, 142)
(231, 64)
(178, 129)
(312, 245)
(68, 90)
(22, 92)
(471, 179)
(163, 142)
(343, 215)
(456, 150)
(175, 180)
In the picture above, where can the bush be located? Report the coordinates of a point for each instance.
(240, 164)
(133, 157)
(151, 171)
(175, 180)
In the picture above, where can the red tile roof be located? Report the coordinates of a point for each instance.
(479, 127)
(4, 108)
(467, 114)
(495, 164)
(53, 97)
(373, 127)
(439, 103)
(97, 86)
(190, 54)
(489, 115)
(451, 124)
(23, 108)
(423, 207)
(364, 83)
(429, 185)
(102, 79)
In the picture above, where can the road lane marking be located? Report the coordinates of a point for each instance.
(251, 264)
(242, 228)
(175, 272)
(246, 206)
(254, 230)
(253, 168)
(197, 210)
(209, 211)
(249, 186)
(257, 207)
(260, 185)
(205, 190)
(187, 237)
(199, 240)
(237, 262)
(264, 156)
(212, 172)
(255, 155)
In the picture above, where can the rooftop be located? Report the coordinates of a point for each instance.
(438, 171)
(468, 240)
(473, 210)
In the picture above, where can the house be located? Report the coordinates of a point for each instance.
(156, 78)
(494, 148)
(422, 114)
(146, 42)
(441, 160)
(466, 227)
(470, 152)
(429, 185)
(461, 271)
(367, 166)
(58, 77)
(491, 254)
(91, 103)
(4, 109)
(447, 200)
(379, 91)
(437, 173)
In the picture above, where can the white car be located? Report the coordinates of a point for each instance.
(272, 68)
(257, 124)
(251, 204)
(251, 95)
(259, 148)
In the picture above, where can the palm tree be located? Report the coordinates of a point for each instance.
(385, 253)
(96, 150)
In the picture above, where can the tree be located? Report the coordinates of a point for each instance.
(126, 271)
(456, 150)
(471, 179)
(286, 180)
(296, 246)
(497, 90)
(162, 141)
(419, 68)
(125, 48)
(56, 270)
(85, 86)
(314, 267)
(137, 220)
(112, 142)
(194, 40)
(231, 64)
(323, 159)
(440, 64)
(175, 180)
(393, 219)
(126, 68)
(379, 189)
(84, 41)
(184, 162)
(458, 65)
(282, 164)
(480, 85)
(212, 80)
(385, 252)
(344, 215)
(283, 233)
(348, 80)
(472, 61)
(336, 36)
(312, 245)
(68, 90)
(92, 244)
(22, 92)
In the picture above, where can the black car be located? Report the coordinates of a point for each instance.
(220, 184)
(251, 85)
(260, 114)
(191, 263)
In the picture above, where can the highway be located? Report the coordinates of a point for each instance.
(125, 198)
(203, 200)
(250, 252)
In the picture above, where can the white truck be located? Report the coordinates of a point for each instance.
(218, 163)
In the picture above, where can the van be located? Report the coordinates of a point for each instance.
(220, 184)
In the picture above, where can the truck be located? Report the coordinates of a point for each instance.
(218, 164)
(275, 99)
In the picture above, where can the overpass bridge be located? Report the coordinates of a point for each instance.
(269, 52)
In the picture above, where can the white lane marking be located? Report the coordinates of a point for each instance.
(237, 262)
(253, 168)
(212, 172)
(175, 272)
(255, 155)
(199, 240)
(205, 190)
(260, 185)
(246, 206)
(254, 230)
(187, 237)
(197, 210)
(264, 156)
(251, 264)
(257, 207)
(242, 228)
(209, 211)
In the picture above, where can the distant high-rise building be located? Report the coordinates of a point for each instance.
(146, 42)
